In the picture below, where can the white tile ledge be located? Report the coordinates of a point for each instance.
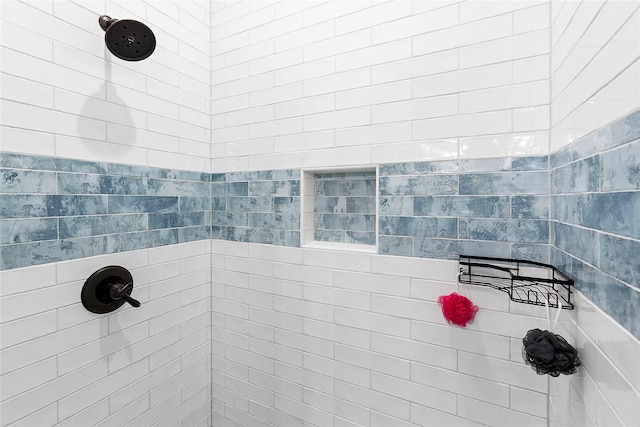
(336, 246)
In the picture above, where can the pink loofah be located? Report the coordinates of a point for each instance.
(457, 309)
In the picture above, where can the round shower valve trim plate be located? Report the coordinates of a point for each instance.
(108, 289)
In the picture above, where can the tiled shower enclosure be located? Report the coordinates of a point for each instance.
(290, 184)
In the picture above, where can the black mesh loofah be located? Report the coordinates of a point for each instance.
(549, 353)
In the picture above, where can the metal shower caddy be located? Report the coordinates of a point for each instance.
(527, 282)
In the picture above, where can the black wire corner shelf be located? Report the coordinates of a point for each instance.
(528, 282)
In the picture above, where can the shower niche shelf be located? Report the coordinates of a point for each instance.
(524, 281)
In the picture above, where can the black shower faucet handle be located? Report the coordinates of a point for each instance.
(121, 291)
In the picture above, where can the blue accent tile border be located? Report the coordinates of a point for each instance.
(488, 207)
(257, 207)
(595, 233)
(55, 209)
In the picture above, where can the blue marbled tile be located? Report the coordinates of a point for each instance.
(330, 204)
(445, 166)
(75, 183)
(485, 248)
(395, 245)
(462, 206)
(195, 176)
(28, 230)
(361, 205)
(535, 182)
(219, 189)
(142, 204)
(360, 238)
(186, 204)
(286, 174)
(437, 248)
(141, 240)
(286, 188)
(626, 129)
(419, 226)
(286, 204)
(23, 206)
(218, 232)
(351, 222)
(227, 219)
(484, 229)
(561, 157)
(288, 221)
(329, 235)
(532, 231)
(621, 258)
(290, 238)
(396, 205)
(250, 204)
(165, 187)
(237, 189)
(218, 203)
(190, 234)
(115, 169)
(125, 185)
(72, 183)
(530, 252)
(485, 165)
(561, 260)
(577, 177)
(30, 206)
(620, 168)
(397, 169)
(237, 234)
(250, 176)
(530, 207)
(530, 163)
(24, 161)
(612, 296)
(608, 212)
(190, 219)
(260, 235)
(424, 185)
(218, 177)
(257, 188)
(47, 251)
(27, 181)
(76, 205)
(163, 220)
(93, 225)
(619, 301)
(580, 242)
(346, 187)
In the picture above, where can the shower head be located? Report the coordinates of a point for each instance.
(127, 39)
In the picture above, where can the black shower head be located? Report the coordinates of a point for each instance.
(127, 39)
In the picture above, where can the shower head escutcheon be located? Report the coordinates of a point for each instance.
(127, 39)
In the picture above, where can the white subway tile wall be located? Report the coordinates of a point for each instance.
(393, 79)
(64, 94)
(308, 340)
(594, 54)
(62, 365)
(343, 346)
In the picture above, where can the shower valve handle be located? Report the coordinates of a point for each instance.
(121, 291)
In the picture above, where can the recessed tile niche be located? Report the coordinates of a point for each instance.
(340, 209)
